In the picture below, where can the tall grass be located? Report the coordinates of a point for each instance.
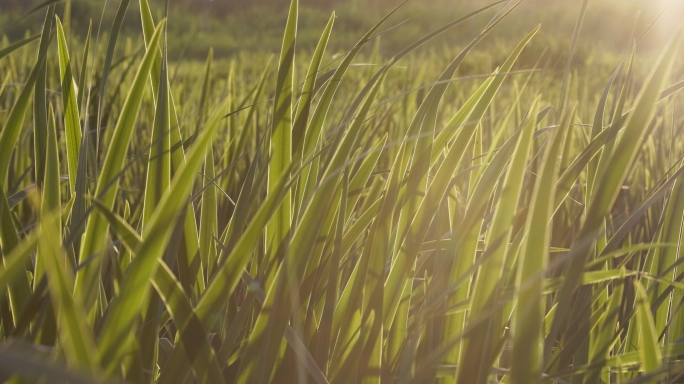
(335, 222)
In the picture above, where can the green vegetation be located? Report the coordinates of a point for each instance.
(488, 213)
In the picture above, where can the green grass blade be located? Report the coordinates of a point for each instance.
(360, 179)
(204, 90)
(527, 360)
(404, 52)
(206, 366)
(305, 100)
(8, 50)
(185, 259)
(273, 318)
(477, 355)
(13, 275)
(128, 236)
(109, 56)
(108, 181)
(610, 184)
(257, 95)
(472, 116)
(76, 338)
(40, 103)
(314, 129)
(13, 123)
(82, 87)
(229, 273)
(278, 229)
(596, 128)
(174, 298)
(649, 350)
(208, 217)
(124, 310)
(172, 294)
(51, 189)
(157, 182)
(602, 347)
(72, 122)
(159, 164)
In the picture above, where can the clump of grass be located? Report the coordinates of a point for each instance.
(353, 224)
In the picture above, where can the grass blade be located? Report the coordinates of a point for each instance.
(72, 121)
(124, 310)
(108, 181)
(278, 229)
(76, 338)
(527, 359)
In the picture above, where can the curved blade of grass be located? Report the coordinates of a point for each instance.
(274, 316)
(208, 217)
(84, 68)
(477, 354)
(187, 259)
(415, 45)
(605, 341)
(615, 125)
(72, 122)
(39, 102)
(159, 164)
(125, 308)
(51, 188)
(411, 242)
(108, 181)
(240, 216)
(474, 113)
(610, 185)
(314, 129)
(416, 183)
(299, 128)
(528, 320)
(649, 349)
(156, 183)
(13, 271)
(257, 94)
(177, 303)
(229, 273)
(206, 366)
(19, 289)
(278, 229)
(597, 126)
(76, 338)
(306, 98)
(360, 178)
(78, 209)
(8, 50)
(204, 90)
(15, 120)
(109, 56)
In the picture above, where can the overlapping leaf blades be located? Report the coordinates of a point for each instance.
(343, 238)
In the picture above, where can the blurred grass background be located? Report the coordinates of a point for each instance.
(237, 26)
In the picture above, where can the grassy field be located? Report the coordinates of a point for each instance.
(506, 208)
